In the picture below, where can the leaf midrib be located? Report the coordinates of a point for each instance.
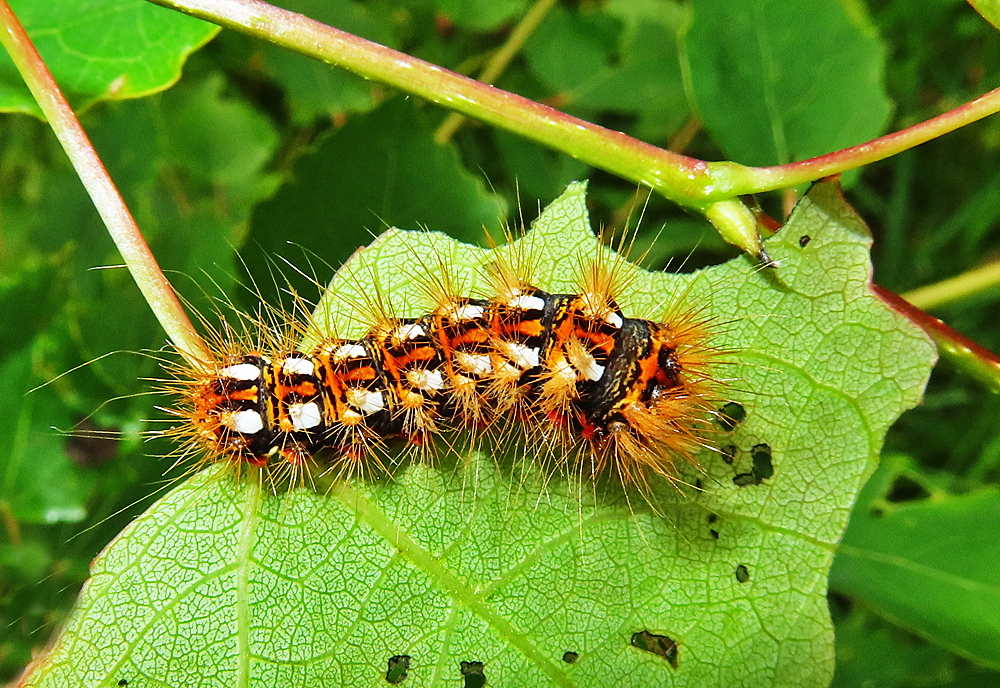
(446, 581)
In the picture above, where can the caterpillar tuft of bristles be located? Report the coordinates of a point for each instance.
(589, 390)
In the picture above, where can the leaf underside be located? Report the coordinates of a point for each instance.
(224, 584)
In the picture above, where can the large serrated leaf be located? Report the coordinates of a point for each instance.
(222, 584)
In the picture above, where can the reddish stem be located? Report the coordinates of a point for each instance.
(969, 357)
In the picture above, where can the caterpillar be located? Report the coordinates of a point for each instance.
(569, 373)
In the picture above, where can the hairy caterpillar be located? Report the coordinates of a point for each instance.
(568, 373)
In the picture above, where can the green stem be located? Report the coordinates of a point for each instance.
(955, 288)
(120, 223)
(738, 179)
(500, 60)
(680, 178)
(690, 182)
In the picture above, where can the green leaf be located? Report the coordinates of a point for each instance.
(313, 88)
(645, 78)
(622, 57)
(221, 140)
(779, 81)
(569, 48)
(990, 9)
(102, 49)
(929, 565)
(222, 584)
(873, 653)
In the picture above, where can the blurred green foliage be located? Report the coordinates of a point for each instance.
(256, 153)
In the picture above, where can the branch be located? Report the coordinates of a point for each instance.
(967, 356)
(686, 181)
(119, 221)
(746, 180)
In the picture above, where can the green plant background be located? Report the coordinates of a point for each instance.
(262, 152)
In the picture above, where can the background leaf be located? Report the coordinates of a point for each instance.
(102, 49)
(480, 14)
(379, 170)
(312, 89)
(623, 59)
(906, 543)
(779, 81)
(50, 492)
(471, 561)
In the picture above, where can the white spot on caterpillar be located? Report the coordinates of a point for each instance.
(245, 422)
(614, 320)
(410, 331)
(298, 366)
(468, 312)
(245, 372)
(365, 401)
(564, 371)
(523, 356)
(304, 416)
(477, 364)
(527, 302)
(588, 367)
(346, 351)
(427, 380)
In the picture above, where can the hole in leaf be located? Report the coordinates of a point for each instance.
(712, 518)
(570, 657)
(762, 466)
(731, 415)
(906, 489)
(660, 645)
(804, 240)
(742, 573)
(745, 479)
(122, 682)
(728, 453)
(473, 674)
(398, 666)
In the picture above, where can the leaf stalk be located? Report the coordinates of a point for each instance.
(108, 201)
(746, 180)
